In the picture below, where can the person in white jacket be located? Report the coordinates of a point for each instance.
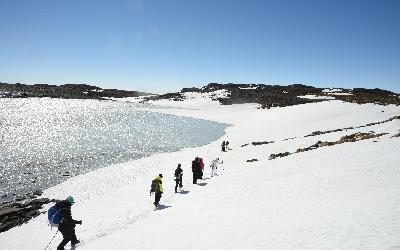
(214, 166)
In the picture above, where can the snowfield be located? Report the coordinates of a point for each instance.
(344, 196)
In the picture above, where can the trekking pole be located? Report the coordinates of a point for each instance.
(51, 240)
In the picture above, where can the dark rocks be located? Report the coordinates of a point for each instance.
(37, 192)
(274, 156)
(244, 145)
(193, 89)
(261, 143)
(349, 128)
(12, 94)
(251, 160)
(171, 96)
(359, 136)
(16, 213)
(280, 96)
(344, 139)
(269, 96)
(40, 201)
(68, 91)
(8, 211)
(377, 96)
(19, 198)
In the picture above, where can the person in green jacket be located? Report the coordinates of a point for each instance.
(157, 188)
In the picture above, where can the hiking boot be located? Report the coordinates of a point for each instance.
(75, 242)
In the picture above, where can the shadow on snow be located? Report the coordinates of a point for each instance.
(161, 207)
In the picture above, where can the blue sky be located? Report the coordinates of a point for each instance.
(165, 45)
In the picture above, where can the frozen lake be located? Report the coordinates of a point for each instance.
(45, 141)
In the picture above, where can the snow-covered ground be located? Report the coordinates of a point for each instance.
(344, 196)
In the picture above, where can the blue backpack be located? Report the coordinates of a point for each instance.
(54, 215)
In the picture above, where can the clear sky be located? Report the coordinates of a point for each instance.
(165, 45)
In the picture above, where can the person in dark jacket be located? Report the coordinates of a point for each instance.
(178, 178)
(67, 225)
(196, 169)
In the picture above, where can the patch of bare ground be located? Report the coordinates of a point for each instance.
(348, 128)
(347, 138)
(257, 143)
(252, 160)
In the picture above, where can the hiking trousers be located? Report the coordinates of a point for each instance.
(157, 198)
(68, 233)
(178, 182)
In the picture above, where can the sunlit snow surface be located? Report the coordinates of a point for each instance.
(44, 141)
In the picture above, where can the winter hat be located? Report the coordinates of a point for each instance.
(70, 200)
(160, 175)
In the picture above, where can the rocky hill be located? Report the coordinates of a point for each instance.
(67, 91)
(280, 96)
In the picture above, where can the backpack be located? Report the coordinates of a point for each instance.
(154, 186)
(54, 215)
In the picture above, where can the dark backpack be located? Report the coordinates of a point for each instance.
(54, 215)
(154, 186)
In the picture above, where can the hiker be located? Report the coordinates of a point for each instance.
(157, 188)
(223, 146)
(67, 225)
(196, 169)
(227, 146)
(178, 178)
(201, 168)
(214, 166)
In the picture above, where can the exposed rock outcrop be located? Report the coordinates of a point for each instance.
(252, 160)
(344, 139)
(349, 128)
(269, 96)
(67, 91)
(17, 213)
(261, 143)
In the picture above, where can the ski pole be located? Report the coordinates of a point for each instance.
(51, 240)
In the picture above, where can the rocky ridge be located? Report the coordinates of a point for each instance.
(269, 96)
(67, 91)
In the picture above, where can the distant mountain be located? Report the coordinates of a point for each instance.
(67, 91)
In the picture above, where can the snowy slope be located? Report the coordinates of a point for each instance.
(344, 196)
